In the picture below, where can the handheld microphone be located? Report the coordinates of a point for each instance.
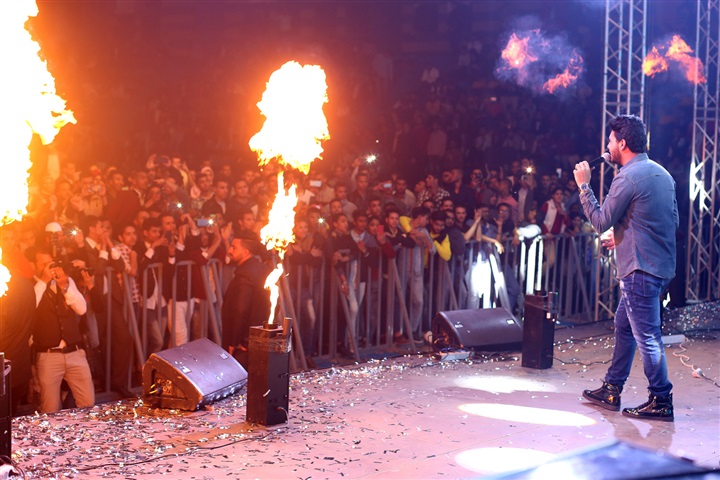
(605, 157)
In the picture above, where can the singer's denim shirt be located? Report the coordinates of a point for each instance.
(642, 207)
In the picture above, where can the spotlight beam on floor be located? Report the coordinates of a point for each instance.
(536, 416)
(504, 384)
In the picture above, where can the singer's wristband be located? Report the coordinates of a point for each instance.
(584, 187)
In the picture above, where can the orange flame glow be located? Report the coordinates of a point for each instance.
(516, 53)
(532, 59)
(294, 127)
(278, 234)
(678, 52)
(295, 124)
(654, 63)
(4, 277)
(568, 77)
(30, 105)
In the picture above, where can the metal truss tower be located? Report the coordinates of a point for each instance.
(623, 93)
(703, 263)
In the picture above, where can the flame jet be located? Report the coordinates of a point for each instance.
(30, 106)
(292, 134)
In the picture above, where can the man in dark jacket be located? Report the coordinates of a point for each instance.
(247, 303)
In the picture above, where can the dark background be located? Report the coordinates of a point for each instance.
(183, 77)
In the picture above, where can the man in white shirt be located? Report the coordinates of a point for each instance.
(57, 340)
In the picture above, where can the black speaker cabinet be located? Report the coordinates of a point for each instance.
(539, 331)
(484, 329)
(190, 376)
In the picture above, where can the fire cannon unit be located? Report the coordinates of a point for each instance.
(268, 388)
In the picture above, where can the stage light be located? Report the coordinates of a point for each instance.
(536, 416)
(481, 280)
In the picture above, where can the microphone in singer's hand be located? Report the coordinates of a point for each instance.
(605, 157)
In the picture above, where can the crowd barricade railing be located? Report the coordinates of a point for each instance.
(136, 315)
(155, 269)
(381, 306)
(173, 311)
(108, 334)
(210, 307)
(131, 318)
(559, 263)
(286, 309)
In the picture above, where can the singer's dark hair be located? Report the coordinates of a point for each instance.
(631, 129)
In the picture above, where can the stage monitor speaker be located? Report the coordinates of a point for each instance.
(190, 376)
(489, 329)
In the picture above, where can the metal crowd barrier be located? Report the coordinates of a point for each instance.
(209, 324)
(480, 279)
(380, 305)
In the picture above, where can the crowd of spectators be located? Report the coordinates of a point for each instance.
(87, 220)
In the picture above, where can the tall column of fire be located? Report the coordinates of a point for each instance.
(293, 132)
(30, 106)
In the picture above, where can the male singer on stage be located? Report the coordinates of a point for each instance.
(641, 208)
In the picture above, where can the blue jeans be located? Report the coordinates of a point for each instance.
(637, 323)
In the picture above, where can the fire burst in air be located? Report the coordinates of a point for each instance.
(30, 105)
(533, 60)
(566, 78)
(294, 128)
(678, 52)
(295, 124)
(517, 54)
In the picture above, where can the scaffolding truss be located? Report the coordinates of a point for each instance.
(703, 263)
(623, 93)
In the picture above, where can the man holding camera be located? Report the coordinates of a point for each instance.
(57, 340)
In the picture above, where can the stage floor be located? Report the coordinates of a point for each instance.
(403, 417)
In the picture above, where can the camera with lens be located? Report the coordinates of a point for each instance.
(72, 271)
(76, 273)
